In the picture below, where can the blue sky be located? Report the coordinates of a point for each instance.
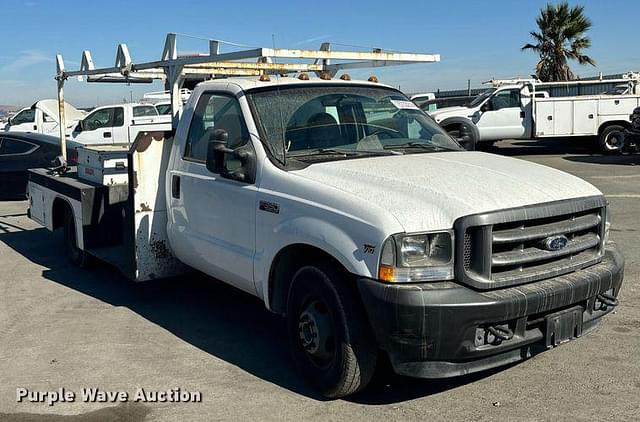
(477, 40)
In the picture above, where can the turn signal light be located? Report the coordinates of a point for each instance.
(385, 273)
(325, 76)
(303, 77)
(345, 77)
(373, 78)
(264, 78)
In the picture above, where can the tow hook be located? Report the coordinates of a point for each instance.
(501, 331)
(493, 335)
(603, 300)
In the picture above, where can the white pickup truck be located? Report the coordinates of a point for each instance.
(344, 207)
(522, 109)
(42, 117)
(115, 124)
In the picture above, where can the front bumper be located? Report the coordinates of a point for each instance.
(433, 330)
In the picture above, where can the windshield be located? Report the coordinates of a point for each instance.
(481, 97)
(299, 122)
(163, 109)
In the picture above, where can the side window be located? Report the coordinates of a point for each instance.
(47, 118)
(118, 117)
(98, 119)
(506, 99)
(10, 146)
(25, 116)
(140, 111)
(215, 111)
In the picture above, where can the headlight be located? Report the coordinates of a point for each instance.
(409, 258)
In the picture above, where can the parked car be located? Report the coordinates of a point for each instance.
(21, 151)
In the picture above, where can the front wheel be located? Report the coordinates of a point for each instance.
(611, 139)
(331, 340)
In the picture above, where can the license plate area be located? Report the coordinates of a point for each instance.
(563, 326)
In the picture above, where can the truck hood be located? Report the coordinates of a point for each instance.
(443, 113)
(430, 191)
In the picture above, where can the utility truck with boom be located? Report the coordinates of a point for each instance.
(523, 109)
(341, 206)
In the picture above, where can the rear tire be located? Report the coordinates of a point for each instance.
(76, 256)
(331, 341)
(611, 139)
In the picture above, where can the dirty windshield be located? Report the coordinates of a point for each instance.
(322, 122)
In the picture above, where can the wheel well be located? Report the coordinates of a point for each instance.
(605, 125)
(58, 211)
(286, 263)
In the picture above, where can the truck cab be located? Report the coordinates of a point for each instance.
(42, 117)
(115, 124)
(497, 113)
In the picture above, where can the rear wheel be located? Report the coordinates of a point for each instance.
(611, 139)
(76, 256)
(331, 341)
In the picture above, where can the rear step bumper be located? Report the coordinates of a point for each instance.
(438, 330)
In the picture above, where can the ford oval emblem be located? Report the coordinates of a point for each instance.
(555, 243)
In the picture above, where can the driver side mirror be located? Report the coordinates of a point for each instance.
(219, 154)
(79, 127)
(486, 107)
(9, 121)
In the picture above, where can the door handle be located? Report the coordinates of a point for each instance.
(617, 102)
(522, 114)
(175, 186)
(549, 117)
(590, 116)
(35, 127)
(107, 135)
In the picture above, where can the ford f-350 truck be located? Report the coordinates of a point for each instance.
(348, 210)
(523, 109)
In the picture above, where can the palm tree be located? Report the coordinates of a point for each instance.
(561, 37)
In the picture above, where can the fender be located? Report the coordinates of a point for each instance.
(318, 233)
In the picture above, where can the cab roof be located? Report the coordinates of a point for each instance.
(252, 82)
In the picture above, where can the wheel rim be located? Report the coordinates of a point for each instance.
(315, 333)
(613, 141)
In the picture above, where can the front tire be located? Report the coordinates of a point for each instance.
(611, 139)
(331, 341)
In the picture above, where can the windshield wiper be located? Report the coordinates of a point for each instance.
(421, 145)
(342, 152)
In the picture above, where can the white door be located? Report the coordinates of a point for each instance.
(49, 124)
(120, 126)
(96, 128)
(212, 218)
(502, 116)
(585, 117)
(24, 121)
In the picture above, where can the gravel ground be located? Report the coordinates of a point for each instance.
(64, 328)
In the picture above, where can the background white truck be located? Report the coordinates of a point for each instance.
(43, 117)
(339, 204)
(514, 109)
(115, 124)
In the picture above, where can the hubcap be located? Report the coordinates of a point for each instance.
(316, 333)
(614, 141)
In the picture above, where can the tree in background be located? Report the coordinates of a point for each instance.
(561, 37)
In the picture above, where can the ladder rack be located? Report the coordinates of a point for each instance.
(174, 69)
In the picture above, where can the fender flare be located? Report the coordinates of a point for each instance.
(319, 234)
(474, 129)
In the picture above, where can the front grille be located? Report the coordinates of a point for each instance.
(507, 248)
